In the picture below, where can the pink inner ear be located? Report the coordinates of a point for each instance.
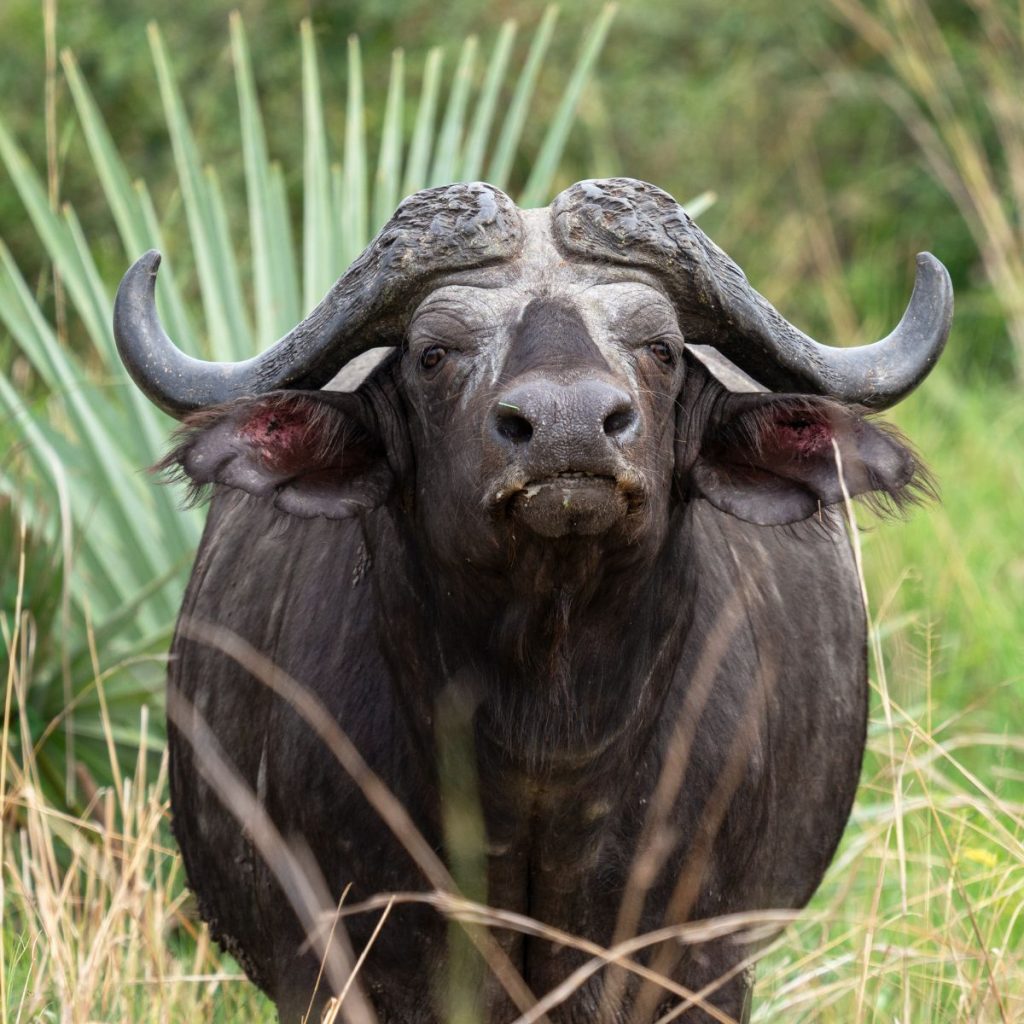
(799, 434)
(280, 434)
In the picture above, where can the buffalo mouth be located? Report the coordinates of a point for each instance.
(572, 503)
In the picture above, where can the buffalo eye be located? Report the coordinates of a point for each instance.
(432, 356)
(662, 352)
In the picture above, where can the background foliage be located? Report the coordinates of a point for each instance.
(839, 137)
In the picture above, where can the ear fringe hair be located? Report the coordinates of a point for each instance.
(170, 470)
(918, 490)
(751, 427)
(324, 423)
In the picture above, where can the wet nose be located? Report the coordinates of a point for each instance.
(585, 418)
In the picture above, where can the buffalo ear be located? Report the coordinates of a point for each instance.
(307, 450)
(776, 459)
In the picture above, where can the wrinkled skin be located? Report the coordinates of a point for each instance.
(621, 575)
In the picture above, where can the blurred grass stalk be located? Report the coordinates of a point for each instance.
(80, 435)
(971, 132)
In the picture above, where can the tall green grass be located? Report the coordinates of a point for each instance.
(921, 917)
(956, 569)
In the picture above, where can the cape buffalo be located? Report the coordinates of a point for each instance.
(591, 508)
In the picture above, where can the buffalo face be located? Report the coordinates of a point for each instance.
(543, 401)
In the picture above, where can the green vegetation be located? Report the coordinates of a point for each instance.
(839, 139)
(919, 918)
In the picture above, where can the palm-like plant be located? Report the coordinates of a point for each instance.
(119, 548)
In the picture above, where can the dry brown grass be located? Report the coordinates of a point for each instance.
(921, 918)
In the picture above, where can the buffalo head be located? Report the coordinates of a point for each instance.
(549, 383)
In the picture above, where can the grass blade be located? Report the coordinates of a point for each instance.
(337, 238)
(354, 208)
(318, 223)
(257, 185)
(512, 127)
(128, 206)
(423, 129)
(389, 162)
(239, 338)
(700, 204)
(172, 307)
(215, 262)
(483, 116)
(538, 185)
(113, 177)
(449, 140)
(286, 271)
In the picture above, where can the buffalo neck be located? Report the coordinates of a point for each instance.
(559, 657)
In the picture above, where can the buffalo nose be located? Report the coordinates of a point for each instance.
(621, 422)
(578, 416)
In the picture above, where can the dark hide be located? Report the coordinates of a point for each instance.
(724, 657)
(550, 337)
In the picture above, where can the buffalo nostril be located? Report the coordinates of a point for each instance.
(618, 422)
(514, 428)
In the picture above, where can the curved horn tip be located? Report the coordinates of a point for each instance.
(151, 258)
(145, 266)
(933, 280)
(931, 270)
(149, 261)
(917, 342)
(933, 263)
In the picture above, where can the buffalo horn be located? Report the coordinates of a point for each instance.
(433, 232)
(630, 222)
